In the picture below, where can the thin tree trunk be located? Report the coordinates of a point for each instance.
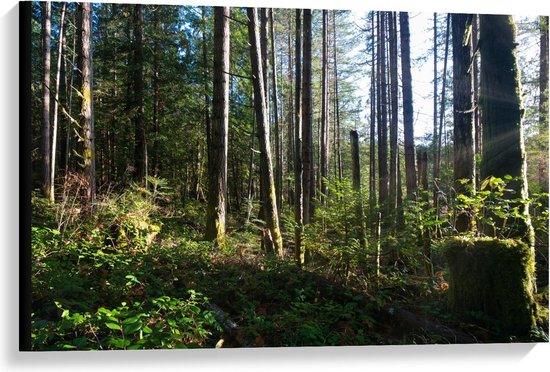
(140, 145)
(278, 148)
(298, 165)
(543, 78)
(217, 161)
(408, 125)
(266, 170)
(338, 152)
(324, 112)
(372, 145)
(356, 185)
(56, 101)
(392, 21)
(435, 135)
(463, 115)
(475, 73)
(156, 94)
(290, 115)
(382, 117)
(307, 122)
(86, 99)
(46, 92)
(251, 167)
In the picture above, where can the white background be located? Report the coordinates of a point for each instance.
(507, 357)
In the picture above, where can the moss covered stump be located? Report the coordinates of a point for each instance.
(491, 281)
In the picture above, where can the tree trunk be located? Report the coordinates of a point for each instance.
(278, 147)
(393, 123)
(382, 117)
(86, 99)
(372, 129)
(56, 101)
(307, 122)
(298, 165)
(337, 149)
(463, 115)
(324, 112)
(408, 125)
(266, 170)
(156, 94)
(475, 73)
(543, 78)
(290, 117)
(140, 145)
(356, 185)
(217, 160)
(501, 105)
(46, 92)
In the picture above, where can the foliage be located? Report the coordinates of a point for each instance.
(162, 322)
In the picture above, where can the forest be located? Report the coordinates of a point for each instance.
(214, 177)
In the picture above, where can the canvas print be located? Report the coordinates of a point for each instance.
(222, 177)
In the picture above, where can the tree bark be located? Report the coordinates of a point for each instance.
(372, 129)
(463, 115)
(266, 170)
(408, 124)
(337, 149)
(324, 112)
(46, 106)
(356, 185)
(86, 99)
(298, 165)
(307, 122)
(382, 117)
(501, 105)
(277, 134)
(56, 100)
(394, 122)
(543, 68)
(217, 160)
(140, 144)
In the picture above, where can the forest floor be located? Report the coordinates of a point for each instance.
(180, 292)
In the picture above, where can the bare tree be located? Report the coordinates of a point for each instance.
(45, 142)
(217, 157)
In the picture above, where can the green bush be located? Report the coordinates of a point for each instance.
(491, 281)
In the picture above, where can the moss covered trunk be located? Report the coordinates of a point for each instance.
(501, 106)
(217, 157)
(491, 281)
(266, 169)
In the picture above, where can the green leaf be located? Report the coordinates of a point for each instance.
(132, 328)
(114, 326)
(131, 320)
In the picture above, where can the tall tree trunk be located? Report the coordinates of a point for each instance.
(408, 125)
(543, 68)
(298, 165)
(207, 118)
(463, 114)
(392, 21)
(475, 73)
(338, 153)
(45, 143)
(382, 116)
(217, 160)
(307, 123)
(356, 185)
(501, 105)
(324, 112)
(156, 94)
(266, 170)
(140, 144)
(372, 129)
(56, 100)
(278, 147)
(290, 115)
(435, 136)
(85, 64)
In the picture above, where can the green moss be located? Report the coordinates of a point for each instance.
(491, 281)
